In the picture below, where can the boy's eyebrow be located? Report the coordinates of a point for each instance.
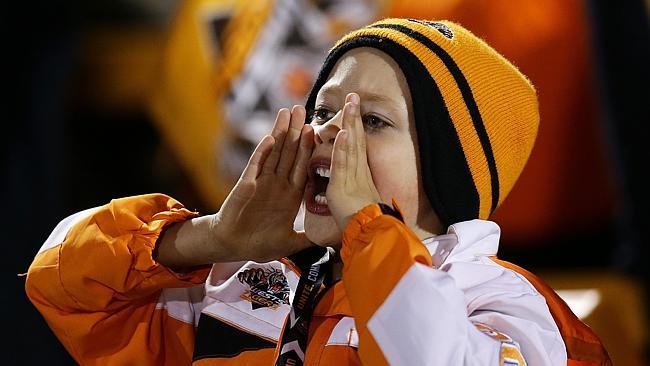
(365, 96)
(372, 97)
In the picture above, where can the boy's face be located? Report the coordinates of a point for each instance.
(390, 137)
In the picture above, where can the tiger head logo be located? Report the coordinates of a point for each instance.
(268, 287)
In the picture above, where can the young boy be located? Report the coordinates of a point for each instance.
(417, 113)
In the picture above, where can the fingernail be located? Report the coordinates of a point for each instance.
(353, 108)
(354, 98)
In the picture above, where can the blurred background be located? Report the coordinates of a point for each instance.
(105, 99)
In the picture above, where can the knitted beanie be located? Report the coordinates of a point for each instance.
(476, 115)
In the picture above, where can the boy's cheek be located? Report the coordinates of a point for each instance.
(405, 195)
(398, 180)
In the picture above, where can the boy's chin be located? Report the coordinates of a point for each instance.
(322, 231)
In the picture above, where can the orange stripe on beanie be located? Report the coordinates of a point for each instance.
(476, 115)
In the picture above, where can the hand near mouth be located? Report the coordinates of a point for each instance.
(256, 219)
(351, 187)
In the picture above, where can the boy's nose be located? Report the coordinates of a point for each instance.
(326, 133)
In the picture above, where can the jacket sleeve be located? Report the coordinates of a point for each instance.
(408, 313)
(99, 289)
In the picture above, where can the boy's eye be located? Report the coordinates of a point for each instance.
(321, 115)
(373, 123)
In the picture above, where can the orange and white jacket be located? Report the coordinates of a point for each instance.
(401, 301)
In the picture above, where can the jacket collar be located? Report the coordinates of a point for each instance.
(464, 241)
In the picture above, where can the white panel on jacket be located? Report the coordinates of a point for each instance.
(183, 303)
(424, 322)
(344, 334)
(256, 297)
(57, 236)
(429, 316)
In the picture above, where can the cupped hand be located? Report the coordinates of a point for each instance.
(351, 187)
(256, 219)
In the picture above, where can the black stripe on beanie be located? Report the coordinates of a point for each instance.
(468, 97)
(445, 173)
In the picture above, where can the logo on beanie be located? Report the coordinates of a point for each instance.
(268, 287)
(443, 29)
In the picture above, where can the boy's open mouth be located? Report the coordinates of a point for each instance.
(318, 179)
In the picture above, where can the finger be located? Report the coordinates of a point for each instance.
(279, 132)
(362, 172)
(360, 141)
(350, 146)
(257, 159)
(338, 169)
(299, 172)
(291, 141)
(359, 168)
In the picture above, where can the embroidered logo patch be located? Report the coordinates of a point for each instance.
(443, 29)
(268, 287)
(510, 351)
